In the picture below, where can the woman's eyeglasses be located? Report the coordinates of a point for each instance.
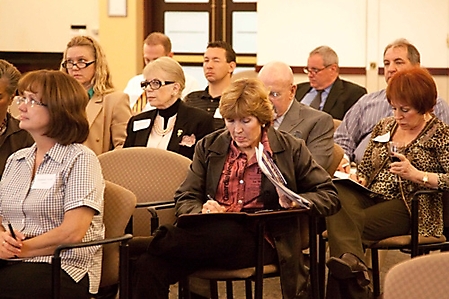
(32, 102)
(155, 84)
(80, 64)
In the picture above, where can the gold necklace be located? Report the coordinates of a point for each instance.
(158, 129)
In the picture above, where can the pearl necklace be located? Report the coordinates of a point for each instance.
(158, 129)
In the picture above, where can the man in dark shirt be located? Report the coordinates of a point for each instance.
(325, 90)
(218, 66)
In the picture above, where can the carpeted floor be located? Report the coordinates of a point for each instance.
(272, 288)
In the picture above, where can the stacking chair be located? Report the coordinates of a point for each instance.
(119, 204)
(414, 244)
(421, 277)
(153, 175)
(257, 273)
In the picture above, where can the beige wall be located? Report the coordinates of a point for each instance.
(121, 38)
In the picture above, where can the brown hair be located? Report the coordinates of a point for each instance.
(102, 81)
(10, 73)
(245, 97)
(414, 87)
(66, 101)
(158, 38)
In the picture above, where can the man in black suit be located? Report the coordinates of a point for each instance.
(325, 90)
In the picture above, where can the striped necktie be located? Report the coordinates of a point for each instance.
(140, 103)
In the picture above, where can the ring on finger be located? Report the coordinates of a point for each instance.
(207, 211)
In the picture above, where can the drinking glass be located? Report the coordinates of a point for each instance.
(396, 147)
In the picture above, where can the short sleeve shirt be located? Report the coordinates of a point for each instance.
(69, 177)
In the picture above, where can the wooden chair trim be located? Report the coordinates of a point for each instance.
(220, 274)
(402, 241)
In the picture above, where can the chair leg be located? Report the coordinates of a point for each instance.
(248, 289)
(213, 289)
(229, 289)
(184, 289)
(322, 266)
(376, 272)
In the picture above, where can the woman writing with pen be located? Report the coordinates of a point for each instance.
(225, 177)
(51, 193)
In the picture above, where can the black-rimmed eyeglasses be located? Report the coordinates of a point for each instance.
(80, 64)
(155, 84)
(315, 71)
(32, 102)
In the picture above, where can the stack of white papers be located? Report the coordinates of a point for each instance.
(272, 172)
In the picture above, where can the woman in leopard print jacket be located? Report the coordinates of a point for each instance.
(384, 211)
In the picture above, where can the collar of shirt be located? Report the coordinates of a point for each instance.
(279, 119)
(308, 98)
(206, 95)
(56, 153)
(90, 92)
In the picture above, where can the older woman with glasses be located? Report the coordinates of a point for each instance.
(12, 137)
(173, 125)
(108, 111)
(51, 193)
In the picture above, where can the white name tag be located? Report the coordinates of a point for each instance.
(141, 124)
(43, 181)
(217, 114)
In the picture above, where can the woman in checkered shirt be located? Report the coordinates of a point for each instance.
(51, 193)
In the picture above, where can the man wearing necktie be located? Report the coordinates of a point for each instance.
(325, 90)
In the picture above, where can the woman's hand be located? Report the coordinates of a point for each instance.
(358, 179)
(10, 247)
(212, 206)
(404, 168)
(344, 166)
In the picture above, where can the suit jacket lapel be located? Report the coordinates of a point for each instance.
(94, 106)
(219, 150)
(334, 94)
(182, 121)
(142, 135)
(302, 91)
(293, 118)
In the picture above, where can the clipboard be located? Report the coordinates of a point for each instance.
(352, 184)
(186, 220)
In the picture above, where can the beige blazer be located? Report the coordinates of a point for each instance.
(108, 116)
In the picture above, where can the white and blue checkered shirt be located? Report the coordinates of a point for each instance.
(76, 180)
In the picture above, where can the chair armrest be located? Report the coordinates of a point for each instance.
(56, 260)
(156, 204)
(123, 239)
(415, 218)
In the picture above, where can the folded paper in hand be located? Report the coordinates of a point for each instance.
(272, 172)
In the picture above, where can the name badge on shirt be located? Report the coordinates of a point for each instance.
(217, 113)
(141, 124)
(44, 181)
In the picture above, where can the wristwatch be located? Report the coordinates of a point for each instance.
(425, 178)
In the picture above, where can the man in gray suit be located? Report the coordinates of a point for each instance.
(314, 126)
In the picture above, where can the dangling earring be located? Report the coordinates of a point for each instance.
(263, 126)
